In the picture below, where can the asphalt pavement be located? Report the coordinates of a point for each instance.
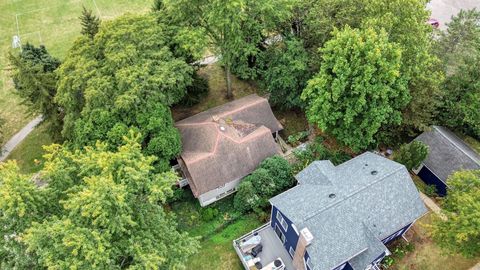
(443, 10)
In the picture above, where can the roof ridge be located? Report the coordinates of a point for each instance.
(352, 194)
(474, 159)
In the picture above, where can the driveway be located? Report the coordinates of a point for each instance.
(443, 10)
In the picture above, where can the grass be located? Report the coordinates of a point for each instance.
(216, 234)
(29, 153)
(426, 254)
(217, 91)
(53, 23)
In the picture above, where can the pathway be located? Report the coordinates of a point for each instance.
(443, 10)
(18, 138)
(432, 205)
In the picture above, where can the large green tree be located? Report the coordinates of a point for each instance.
(405, 23)
(459, 48)
(233, 28)
(35, 81)
(286, 72)
(359, 87)
(127, 77)
(458, 231)
(90, 209)
(2, 124)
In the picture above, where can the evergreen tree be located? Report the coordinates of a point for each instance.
(411, 155)
(90, 23)
(36, 83)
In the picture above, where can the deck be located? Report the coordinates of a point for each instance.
(272, 248)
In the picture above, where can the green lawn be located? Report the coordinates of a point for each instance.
(29, 153)
(216, 233)
(53, 23)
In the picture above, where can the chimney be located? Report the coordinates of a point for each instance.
(304, 240)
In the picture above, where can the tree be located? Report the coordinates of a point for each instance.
(273, 176)
(412, 154)
(157, 5)
(234, 28)
(405, 23)
(127, 78)
(280, 170)
(35, 81)
(246, 197)
(286, 73)
(459, 232)
(359, 87)
(90, 23)
(21, 203)
(94, 209)
(459, 48)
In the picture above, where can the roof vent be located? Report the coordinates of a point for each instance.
(373, 172)
(332, 195)
(222, 128)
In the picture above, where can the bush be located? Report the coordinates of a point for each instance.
(196, 92)
(280, 171)
(246, 198)
(208, 214)
(411, 155)
(317, 151)
(431, 190)
(179, 194)
(272, 177)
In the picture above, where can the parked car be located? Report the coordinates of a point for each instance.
(434, 22)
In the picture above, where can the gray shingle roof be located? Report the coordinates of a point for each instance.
(447, 153)
(370, 192)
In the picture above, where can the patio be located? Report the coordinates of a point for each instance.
(272, 250)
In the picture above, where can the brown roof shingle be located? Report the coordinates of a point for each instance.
(227, 142)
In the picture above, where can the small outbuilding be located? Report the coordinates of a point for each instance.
(447, 154)
(226, 143)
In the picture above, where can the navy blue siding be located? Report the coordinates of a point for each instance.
(291, 237)
(305, 257)
(397, 234)
(348, 267)
(431, 179)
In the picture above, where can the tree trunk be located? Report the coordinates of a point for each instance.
(228, 80)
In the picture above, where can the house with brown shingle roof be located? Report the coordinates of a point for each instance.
(226, 143)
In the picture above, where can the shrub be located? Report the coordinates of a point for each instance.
(297, 138)
(411, 155)
(431, 190)
(208, 214)
(280, 171)
(246, 198)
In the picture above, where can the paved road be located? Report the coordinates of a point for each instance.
(443, 10)
(18, 138)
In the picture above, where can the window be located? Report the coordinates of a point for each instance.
(291, 251)
(282, 221)
(308, 263)
(280, 234)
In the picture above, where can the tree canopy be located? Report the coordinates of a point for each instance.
(459, 232)
(127, 77)
(359, 87)
(90, 23)
(459, 48)
(90, 209)
(232, 28)
(35, 81)
(412, 154)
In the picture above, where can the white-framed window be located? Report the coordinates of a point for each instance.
(282, 221)
(291, 251)
(280, 234)
(308, 263)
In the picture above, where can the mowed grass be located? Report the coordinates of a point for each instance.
(53, 23)
(427, 255)
(29, 153)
